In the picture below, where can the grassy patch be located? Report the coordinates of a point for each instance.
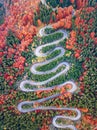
(51, 64)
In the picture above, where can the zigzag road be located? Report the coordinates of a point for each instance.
(39, 53)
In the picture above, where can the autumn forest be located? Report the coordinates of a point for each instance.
(48, 65)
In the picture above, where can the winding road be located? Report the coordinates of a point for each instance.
(38, 52)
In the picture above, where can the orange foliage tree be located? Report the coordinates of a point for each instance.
(64, 18)
(81, 3)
